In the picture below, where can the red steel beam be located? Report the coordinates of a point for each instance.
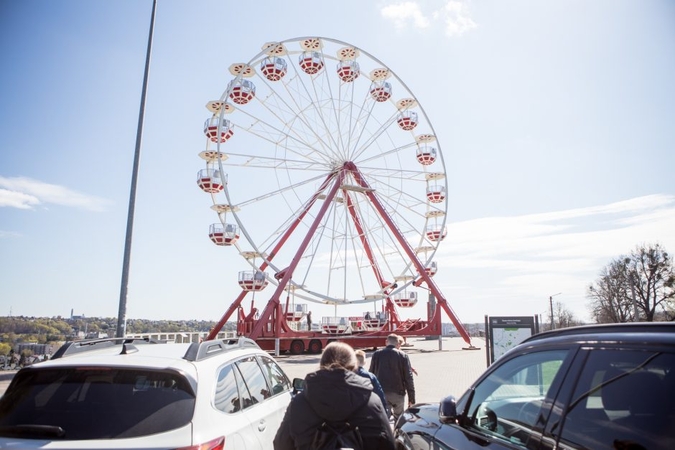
(216, 329)
(409, 251)
(273, 303)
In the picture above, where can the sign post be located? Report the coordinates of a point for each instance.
(504, 333)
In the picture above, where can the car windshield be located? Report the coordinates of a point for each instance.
(75, 403)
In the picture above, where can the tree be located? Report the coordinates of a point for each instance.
(5, 348)
(563, 317)
(640, 286)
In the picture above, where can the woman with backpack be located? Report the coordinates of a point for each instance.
(336, 409)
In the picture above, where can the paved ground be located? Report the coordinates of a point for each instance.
(450, 370)
(440, 372)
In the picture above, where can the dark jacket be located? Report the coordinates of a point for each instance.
(336, 396)
(392, 367)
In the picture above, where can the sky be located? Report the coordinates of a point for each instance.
(556, 121)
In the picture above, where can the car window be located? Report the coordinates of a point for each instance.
(623, 397)
(276, 377)
(227, 398)
(245, 399)
(97, 403)
(254, 380)
(506, 404)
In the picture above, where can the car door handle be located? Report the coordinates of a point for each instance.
(262, 425)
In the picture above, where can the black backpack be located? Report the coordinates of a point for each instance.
(341, 436)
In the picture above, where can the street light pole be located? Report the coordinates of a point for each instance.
(122, 313)
(631, 278)
(550, 301)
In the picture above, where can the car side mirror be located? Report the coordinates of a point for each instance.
(298, 385)
(447, 410)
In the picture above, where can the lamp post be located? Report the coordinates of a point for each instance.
(122, 314)
(550, 301)
(631, 278)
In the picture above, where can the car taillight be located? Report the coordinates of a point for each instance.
(216, 444)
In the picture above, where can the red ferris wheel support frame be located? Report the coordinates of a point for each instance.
(272, 320)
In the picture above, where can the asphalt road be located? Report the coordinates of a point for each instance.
(449, 371)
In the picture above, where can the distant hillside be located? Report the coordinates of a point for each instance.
(50, 330)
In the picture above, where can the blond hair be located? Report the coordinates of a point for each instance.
(360, 357)
(338, 355)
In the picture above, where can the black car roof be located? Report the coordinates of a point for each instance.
(661, 331)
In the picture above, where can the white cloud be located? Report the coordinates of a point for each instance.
(509, 265)
(403, 13)
(26, 193)
(18, 200)
(456, 18)
(9, 234)
(453, 16)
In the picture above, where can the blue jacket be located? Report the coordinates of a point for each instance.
(377, 387)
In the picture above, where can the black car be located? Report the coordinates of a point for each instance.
(592, 387)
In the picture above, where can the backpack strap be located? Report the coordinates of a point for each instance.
(333, 436)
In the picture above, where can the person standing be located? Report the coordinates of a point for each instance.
(309, 321)
(392, 368)
(377, 387)
(335, 395)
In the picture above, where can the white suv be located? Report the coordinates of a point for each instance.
(126, 393)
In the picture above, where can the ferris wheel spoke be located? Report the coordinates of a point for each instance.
(384, 247)
(274, 135)
(277, 192)
(373, 137)
(312, 104)
(274, 163)
(383, 172)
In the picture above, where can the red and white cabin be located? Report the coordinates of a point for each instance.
(407, 300)
(273, 68)
(431, 269)
(334, 329)
(407, 120)
(436, 233)
(298, 313)
(241, 91)
(380, 91)
(217, 132)
(436, 194)
(336, 325)
(426, 155)
(209, 181)
(311, 62)
(293, 317)
(252, 280)
(223, 235)
(348, 71)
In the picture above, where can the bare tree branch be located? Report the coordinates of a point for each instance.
(648, 271)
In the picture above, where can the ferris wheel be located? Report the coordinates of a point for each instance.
(325, 175)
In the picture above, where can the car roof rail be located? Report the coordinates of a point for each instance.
(631, 327)
(76, 347)
(198, 351)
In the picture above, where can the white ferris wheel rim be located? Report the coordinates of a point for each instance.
(321, 160)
